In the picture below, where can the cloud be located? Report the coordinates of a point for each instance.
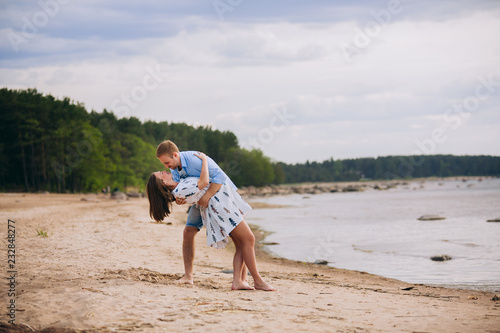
(265, 57)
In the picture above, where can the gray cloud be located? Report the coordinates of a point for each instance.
(266, 56)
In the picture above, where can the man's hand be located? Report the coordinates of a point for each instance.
(203, 202)
(180, 201)
(214, 187)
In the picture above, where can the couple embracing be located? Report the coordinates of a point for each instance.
(196, 179)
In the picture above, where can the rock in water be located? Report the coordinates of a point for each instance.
(494, 220)
(270, 243)
(443, 257)
(430, 218)
(321, 262)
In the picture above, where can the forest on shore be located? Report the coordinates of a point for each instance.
(56, 145)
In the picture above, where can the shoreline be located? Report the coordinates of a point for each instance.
(105, 266)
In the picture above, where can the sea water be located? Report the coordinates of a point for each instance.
(378, 231)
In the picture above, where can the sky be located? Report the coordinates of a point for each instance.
(300, 80)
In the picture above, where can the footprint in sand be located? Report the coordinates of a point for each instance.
(146, 275)
(142, 274)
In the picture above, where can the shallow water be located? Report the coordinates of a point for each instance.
(378, 231)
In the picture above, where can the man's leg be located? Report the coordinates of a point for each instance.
(193, 225)
(188, 254)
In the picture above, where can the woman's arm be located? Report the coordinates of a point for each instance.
(204, 176)
(205, 180)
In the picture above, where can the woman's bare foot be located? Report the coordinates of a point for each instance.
(264, 286)
(241, 286)
(184, 280)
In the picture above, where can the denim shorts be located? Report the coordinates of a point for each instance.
(194, 217)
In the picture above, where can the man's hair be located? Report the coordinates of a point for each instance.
(167, 147)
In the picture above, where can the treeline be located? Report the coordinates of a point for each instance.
(392, 167)
(58, 146)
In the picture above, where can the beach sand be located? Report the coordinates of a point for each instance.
(106, 266)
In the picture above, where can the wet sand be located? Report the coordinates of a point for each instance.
(106, 266)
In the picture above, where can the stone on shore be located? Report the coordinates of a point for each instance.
(90, 199)
(383, 187)
(133, 194)
(315, 188)
(321, 262)
(353, 188)
(117, 195)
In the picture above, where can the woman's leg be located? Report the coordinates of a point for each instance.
(239, 269)
(246, 240)
(243, 271)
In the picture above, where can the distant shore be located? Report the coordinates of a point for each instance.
(88, 263)
(332, 187)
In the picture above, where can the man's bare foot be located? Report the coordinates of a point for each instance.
(184, 280)
(241, 286)
(264, 286)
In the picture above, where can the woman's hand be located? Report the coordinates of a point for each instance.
(180, 201)
(201, 156)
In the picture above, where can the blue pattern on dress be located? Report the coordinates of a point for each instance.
(218, 218)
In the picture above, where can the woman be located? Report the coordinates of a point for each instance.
(223, 218)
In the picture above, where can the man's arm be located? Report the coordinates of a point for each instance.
(214, 187)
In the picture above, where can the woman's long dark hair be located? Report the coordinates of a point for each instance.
(160, 198)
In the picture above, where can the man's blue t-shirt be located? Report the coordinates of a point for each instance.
(191, 167)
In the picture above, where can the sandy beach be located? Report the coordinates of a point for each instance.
(105, 266)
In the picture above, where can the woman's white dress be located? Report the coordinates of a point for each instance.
(225, 209)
